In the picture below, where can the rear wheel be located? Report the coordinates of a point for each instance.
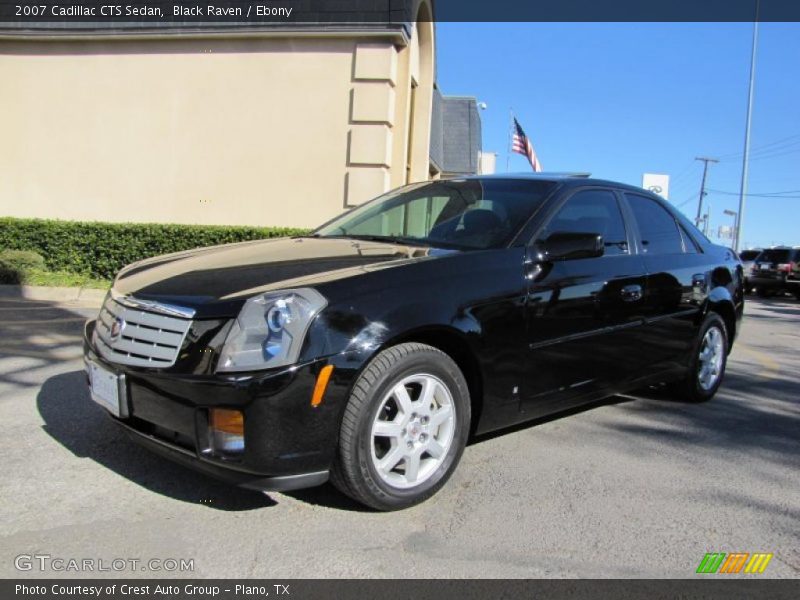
(763, 292)
(404, 428)
(709, 358)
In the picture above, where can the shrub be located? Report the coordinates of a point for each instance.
(99, 250)
(15, 265)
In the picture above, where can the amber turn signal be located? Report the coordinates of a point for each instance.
(227, 421)
(321, 385)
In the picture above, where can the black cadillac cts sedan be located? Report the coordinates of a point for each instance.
(370, 350)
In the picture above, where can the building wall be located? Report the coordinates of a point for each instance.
(270, 131)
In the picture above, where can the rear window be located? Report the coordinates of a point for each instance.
(777, 255)
(749, 254)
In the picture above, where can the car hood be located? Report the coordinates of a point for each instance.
(216, 281)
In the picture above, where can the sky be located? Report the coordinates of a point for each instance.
(622, 99)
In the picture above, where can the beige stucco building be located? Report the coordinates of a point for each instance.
(281, 126)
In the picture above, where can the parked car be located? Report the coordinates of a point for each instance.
(370, 350)
(776, 270)
(793, 274)
(748, 258)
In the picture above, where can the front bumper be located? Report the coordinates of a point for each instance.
(289, 444)
(255, 481)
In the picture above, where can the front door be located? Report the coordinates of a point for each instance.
(584, 315)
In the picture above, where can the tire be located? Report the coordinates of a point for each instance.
(763, 292)
(700, 385)
(382, 427)
(796, 294)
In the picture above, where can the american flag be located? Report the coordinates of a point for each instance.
(522, 145)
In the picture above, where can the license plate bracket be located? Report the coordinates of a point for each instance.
(107, 389)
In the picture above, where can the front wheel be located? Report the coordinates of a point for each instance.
(709, 358)
(404, 428)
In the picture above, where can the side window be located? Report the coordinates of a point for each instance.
(592, 211)
(659, 231)
(689, 245)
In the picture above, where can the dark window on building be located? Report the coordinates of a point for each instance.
(592, 211)
(659, 231)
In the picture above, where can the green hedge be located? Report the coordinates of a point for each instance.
(101, 249)
(16, 264)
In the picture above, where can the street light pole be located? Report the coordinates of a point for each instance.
(746, 157)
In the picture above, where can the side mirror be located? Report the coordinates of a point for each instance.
(570, 246)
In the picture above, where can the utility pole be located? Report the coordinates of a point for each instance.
(746, 157)
(707, 223)
(705, 160)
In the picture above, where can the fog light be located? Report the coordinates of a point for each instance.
(226, 430)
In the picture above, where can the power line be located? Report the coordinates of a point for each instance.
(683, 173)
(781, 144)
(775, 195)
(775, 155)
(685, 202)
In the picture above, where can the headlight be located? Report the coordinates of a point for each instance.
(269, 330)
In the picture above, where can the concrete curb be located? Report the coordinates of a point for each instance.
(90, 296)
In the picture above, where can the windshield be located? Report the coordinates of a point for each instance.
(464, 214)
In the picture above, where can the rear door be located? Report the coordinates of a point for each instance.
(678, 281)
(583, 315)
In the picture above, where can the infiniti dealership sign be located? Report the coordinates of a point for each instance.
(656, 183)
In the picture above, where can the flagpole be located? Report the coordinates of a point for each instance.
(510, 135)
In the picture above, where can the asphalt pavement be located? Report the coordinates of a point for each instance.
(631, 487)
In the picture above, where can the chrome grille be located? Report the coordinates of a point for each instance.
(145, 338)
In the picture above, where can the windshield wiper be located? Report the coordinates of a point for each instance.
(392, 239)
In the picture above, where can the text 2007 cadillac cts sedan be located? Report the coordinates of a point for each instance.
(368, 351)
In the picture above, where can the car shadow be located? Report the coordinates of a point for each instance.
(82, 427)
(328, 496)
(750, 414)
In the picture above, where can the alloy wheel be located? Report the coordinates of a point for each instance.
(710, 359)
(413, 430)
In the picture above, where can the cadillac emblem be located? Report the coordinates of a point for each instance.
(116, 328)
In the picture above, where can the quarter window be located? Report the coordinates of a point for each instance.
(659, 231)
(689, 245)
(592, 211)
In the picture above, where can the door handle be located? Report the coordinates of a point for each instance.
(631, 293)
(532, 269)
